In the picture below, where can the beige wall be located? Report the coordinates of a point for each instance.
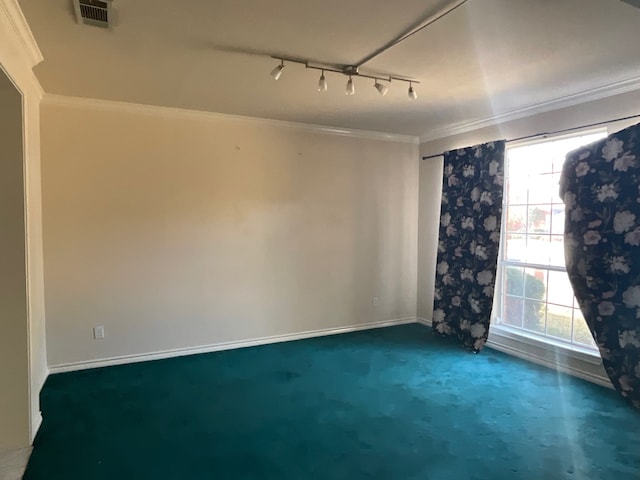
(431, 170)
(14, 344)
(177, 230)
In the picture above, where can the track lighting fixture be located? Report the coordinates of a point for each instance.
(353, 69)
(322, 83)
(412, 92)
(381, 83)
(276, 72)
(351, 89)
(382, 89)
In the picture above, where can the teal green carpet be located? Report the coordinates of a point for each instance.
(394, 403)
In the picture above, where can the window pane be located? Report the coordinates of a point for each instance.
(518, 162)
(555, 197)
(559, 159)
(517, 190)
(541, 189)
(581, 333)
(559, 321)
(512, 311)
(538, 249)
(516, 247)
(514, 281)
(539, 158)
(539, 220)
(556, 251)
(559, 290)
(533, 316)
(535, 284)
(516, 219)
(557, 219)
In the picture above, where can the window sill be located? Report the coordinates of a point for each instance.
(583, 353)
(582, 363)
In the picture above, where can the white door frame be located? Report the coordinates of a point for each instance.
(19, 54)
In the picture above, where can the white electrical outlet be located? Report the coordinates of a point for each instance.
(98, 332)
(375, 301)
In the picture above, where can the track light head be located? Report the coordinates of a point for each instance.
(322, 83)
(382, 89)
(276, 72)
(412, 92)
(351, 89)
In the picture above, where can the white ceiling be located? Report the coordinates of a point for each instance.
(486, 58)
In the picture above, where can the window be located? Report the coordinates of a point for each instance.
(534, 296)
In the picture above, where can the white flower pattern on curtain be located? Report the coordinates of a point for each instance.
(468, 243)
(600, 187)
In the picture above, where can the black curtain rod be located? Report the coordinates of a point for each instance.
(546, 134)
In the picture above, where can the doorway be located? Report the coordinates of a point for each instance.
(14, 329)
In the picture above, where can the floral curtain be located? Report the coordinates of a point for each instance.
(468, 242)
(600, 187)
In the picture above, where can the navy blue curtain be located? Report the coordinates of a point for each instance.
(600, 187)
(469, 238)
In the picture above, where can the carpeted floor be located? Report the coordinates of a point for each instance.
(395, 403)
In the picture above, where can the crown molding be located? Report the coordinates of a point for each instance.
(597, 93)
(13, 13)
(173, 112)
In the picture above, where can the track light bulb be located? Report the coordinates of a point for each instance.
(351, 89)
(276, 72)
(412, 93)
(382, 89)
(322, 83)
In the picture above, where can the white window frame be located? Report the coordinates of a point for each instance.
(524, 343)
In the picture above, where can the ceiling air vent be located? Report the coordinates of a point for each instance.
(93, 12)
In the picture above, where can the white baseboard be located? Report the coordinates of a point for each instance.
(35, 423)
(566, 361)
(179, 352)
(424, 321)
(36, 420)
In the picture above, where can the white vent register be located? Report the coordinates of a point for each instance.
(94, 12)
